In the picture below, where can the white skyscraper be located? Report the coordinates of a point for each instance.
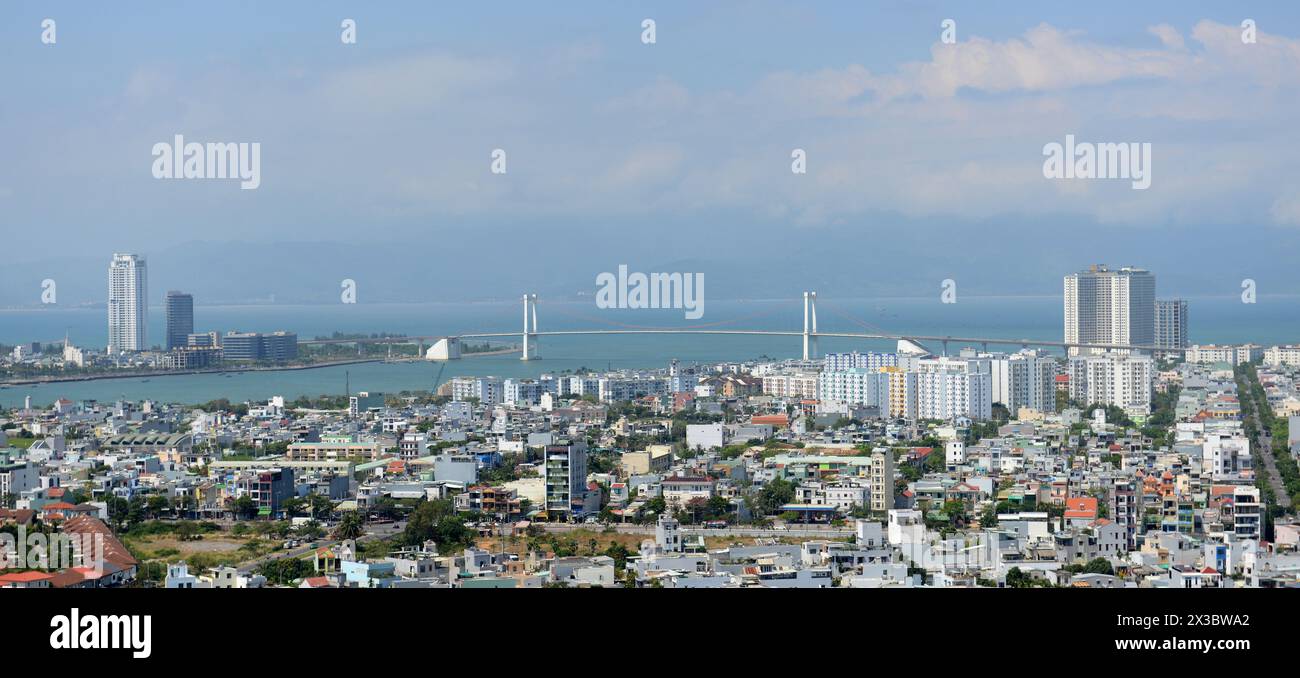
(1110, 307)
(128, 304)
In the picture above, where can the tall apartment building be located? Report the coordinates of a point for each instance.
(1233, 355)
(949, 387)
(791, 385)
(837, 362)
(1110, 307)
(521, 392)
(1024, 379)
(180, 319)
(902, 392)
(618, 388)
(1113, 379)
(128, 303)
(1275, 356)
(564, 472)
(1171, 324)
(487, 390)
(854, 386)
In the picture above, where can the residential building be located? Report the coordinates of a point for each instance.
(1110, 307)
(1171, 324)
(565, 473)
(1024, 379)
(1247, 519)
(1113, 379)
(854, 386)
(947, 388)
(679, 491)
(128, 304)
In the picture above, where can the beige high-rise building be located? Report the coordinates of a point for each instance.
(1110, 307)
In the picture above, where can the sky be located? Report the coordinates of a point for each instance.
(924, 159)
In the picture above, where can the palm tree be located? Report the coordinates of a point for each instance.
(349, 527)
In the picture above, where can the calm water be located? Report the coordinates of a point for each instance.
(1212, 320)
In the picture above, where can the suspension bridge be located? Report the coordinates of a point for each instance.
(448, 347)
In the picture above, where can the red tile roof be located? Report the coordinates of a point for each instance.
(1081, 507)
(24, 577)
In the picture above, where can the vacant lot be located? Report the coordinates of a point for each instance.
(212, 550)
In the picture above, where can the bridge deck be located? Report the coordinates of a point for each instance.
(774, 333)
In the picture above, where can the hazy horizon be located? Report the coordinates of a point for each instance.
(924, 159)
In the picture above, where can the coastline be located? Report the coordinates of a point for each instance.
(222, 370)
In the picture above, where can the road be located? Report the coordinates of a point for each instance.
(1265, 443)
(649, 530)
(1274, 477)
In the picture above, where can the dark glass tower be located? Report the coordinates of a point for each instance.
(180, 318)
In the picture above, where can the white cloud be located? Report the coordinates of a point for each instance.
(409, 135)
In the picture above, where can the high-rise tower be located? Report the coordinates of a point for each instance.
(180, 319)
(1110, 307)
(128, 305)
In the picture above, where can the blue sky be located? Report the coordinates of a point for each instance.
(657, 154)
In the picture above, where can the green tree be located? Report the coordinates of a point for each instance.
(1017, 579)
(1098, 566)
(293, 506)
(349, 527)
(320, 505)
(158, 504)
(245, 508)
(437, 520)
(285, 571)
(775, 494)
(311, 530)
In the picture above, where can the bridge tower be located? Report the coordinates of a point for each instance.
(530, 330)
(809, 325)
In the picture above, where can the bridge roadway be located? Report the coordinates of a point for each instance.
(775, 333)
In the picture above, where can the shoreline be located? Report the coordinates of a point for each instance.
(214, 370)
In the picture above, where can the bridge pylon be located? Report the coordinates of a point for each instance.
(809, 325)
(530, 328)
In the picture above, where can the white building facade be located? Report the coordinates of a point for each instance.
(128, 304)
